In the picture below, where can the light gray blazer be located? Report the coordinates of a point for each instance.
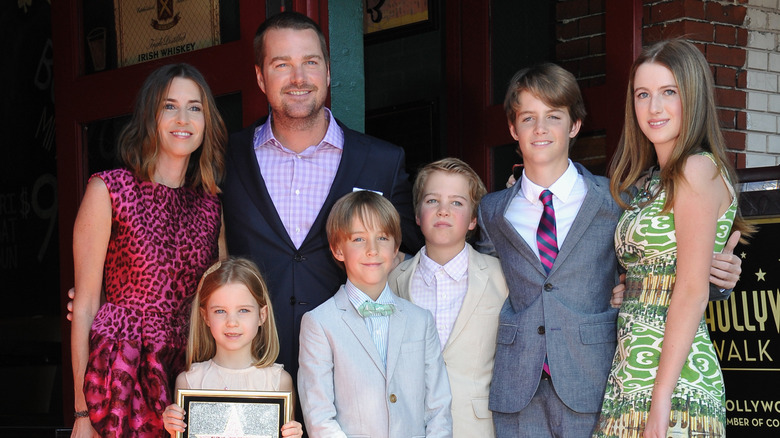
(471, 347)
(345, 389)
(567, 313)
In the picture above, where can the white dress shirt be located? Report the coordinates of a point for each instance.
(378, 326)
(526, 209)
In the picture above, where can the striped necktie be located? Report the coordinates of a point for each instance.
(546, 239)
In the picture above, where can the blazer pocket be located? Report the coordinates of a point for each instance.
(480, 406)
(411, 347)
(506, 334)
(598, 333)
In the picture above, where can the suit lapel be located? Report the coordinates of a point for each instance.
(511, 234)
(404, 280)
(585, 216)
(248, 172)
(358, 327)
(353, 158)
(395, 338)
(477, 282)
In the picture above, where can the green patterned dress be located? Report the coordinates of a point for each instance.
(646, 246)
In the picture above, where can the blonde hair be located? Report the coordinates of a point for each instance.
(372, 209)
(699, 127)
(201, 345)
(450, 166)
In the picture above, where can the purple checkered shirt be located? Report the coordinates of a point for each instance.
(298, 183)
(441, 289)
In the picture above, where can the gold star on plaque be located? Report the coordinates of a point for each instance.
(761, 275)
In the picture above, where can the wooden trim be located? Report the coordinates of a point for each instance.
(80, 99)
(623, 43)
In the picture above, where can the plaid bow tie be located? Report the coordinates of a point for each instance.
(369, 308)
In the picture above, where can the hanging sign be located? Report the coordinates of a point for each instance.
(153, 29)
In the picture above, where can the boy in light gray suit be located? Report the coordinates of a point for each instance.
(370, 362)
(553, 232)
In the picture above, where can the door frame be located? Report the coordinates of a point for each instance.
(475, 125)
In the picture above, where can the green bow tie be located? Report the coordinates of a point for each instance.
(369, 308)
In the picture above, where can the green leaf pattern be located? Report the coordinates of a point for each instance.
(646, 246)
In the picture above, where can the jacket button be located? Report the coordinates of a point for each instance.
(298, 257)
(393, 398)
(292, 301)
(548, 287)
(540, 330)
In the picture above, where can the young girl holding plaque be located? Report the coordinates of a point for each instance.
(233, 341)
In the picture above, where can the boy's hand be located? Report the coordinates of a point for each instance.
(617, 293)
(69, 306)
(292, 429)
(173, 419)
(726, 267)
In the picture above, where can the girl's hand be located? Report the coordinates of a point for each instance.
(292, 429)
(658, 418)
(83, 428)
(173, 419)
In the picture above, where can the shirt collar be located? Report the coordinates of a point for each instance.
(561, 188)
(455, 268)
(264, 135)
(358, 297)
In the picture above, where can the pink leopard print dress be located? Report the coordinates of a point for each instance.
(162, 240)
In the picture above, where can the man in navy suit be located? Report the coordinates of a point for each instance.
(285, 172)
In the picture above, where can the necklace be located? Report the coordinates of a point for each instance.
(646, 194)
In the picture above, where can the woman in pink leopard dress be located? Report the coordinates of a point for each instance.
(145, 234)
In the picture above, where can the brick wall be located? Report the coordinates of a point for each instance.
(738, 37)
(580, 31)
(717, 28)
(762, 24)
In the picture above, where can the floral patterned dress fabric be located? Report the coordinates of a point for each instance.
(646, 246)
(162, 240)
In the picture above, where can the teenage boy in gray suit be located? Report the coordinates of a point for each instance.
(553, 232)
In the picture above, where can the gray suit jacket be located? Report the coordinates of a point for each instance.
(471, 347)
(565, 314)
(345, 389)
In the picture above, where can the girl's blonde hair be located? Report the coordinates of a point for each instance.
(699, 127)
(201, 346)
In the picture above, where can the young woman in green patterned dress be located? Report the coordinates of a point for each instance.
(665, 378)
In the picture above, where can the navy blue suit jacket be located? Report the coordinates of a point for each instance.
(300, 279)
